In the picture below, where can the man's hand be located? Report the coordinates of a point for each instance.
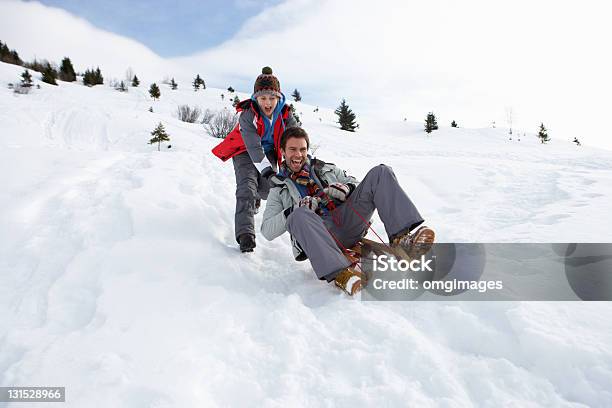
(338, 191)
(312, 203)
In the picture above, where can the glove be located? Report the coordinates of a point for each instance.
(267, 173)
(312, 203)
(338, 191)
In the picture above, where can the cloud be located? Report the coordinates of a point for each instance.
(38, 31)
(466, 60)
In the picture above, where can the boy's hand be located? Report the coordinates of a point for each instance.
(338, 191)
(312, 203)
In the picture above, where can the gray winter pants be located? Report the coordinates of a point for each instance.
(380, 191)
(249, 187)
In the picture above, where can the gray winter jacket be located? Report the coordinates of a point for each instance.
(284, 195)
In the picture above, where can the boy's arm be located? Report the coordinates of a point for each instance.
(252, 141)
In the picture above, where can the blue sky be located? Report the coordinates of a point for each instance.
(167, 27)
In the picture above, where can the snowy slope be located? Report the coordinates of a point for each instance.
(121, 280)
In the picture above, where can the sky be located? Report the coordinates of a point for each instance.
(169, 28)
(470, 61)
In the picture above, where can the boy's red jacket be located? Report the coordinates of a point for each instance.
(233, 144)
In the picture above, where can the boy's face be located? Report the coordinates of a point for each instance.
(267, 103)
(295, 153)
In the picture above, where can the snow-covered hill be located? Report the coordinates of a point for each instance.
(120, 277)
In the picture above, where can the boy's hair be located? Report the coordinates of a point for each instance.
(296, 132)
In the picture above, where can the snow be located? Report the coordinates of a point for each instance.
(120, 278)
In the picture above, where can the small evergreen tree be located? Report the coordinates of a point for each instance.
(26, 79)
(346, 117)
(35, 66)
(197, 82)
(431, 123)
(49, 75)
(453, 124)
(88, 78)
(98, 78)
(236, 101)
(154, 91)
(230, 89)
(67, 73)
(151, 109)
(159, 135)
(9, 56)
(296, 95)
(173, 84)
(135, 81)
(295, 115)
(122, 87)
(91, 77)
(543, 134)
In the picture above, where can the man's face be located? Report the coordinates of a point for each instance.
(267, 103)
(295, 153)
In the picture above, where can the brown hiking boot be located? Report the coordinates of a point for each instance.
(416, 244)
(350, 281)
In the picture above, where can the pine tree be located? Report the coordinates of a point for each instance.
(135, 81)
(154, 91)
(295, 115)
(151, 109)
(197, 82)
(236, 101)
(431, 123)
(49, 75)
(543, 134)
(26, 79)
(296, 95)
(122, 87)
(173, 84)
(98, 78)
(87, 78)
(230, 89)
(159, 136)
(453, 124)
(346, 117)
(67, 73)
(9, 56)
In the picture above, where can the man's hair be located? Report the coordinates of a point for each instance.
(296, 132)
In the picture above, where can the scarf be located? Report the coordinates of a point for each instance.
(302, 178)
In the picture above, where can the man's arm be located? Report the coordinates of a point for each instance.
(275, 216)
(345, 178)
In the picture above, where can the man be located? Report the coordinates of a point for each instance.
(324, 209)
(253, 147)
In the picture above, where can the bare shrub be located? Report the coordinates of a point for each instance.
(222, 123)
(207, 116)
(188, 114)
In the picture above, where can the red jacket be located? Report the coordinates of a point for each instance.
(233, 144)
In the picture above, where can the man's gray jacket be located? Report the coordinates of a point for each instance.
(284, 195)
